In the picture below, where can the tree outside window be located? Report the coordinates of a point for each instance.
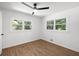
(17, 24)
(50, 25)
(60, 24)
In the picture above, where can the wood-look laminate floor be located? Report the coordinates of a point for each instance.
(38, 48)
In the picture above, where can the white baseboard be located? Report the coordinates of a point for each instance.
(61, 45)
(18, 43)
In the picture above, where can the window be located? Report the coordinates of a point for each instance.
(20, 25)
(27, 25)
(60, 24)
(50, 24)
(16, 25)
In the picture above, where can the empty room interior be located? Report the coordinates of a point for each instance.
(39, 28)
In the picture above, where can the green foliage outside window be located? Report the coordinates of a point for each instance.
(17, 25)
(50, 24)
(27, 25)
(60, 24)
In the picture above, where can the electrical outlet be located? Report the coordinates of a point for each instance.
(51, 39)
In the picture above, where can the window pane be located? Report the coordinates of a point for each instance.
(27, 25)
(49, 27)
(60, 27)
(61, 21)
(50, 24)
(60, 24)
(17, 24)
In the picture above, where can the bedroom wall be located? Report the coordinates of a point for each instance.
(11, 37)
(0, 31)
(68, 38)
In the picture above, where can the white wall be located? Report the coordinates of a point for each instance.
(12, 38)
(68, 38)
(0, 32)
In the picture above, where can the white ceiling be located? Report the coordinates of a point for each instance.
(54, 7)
